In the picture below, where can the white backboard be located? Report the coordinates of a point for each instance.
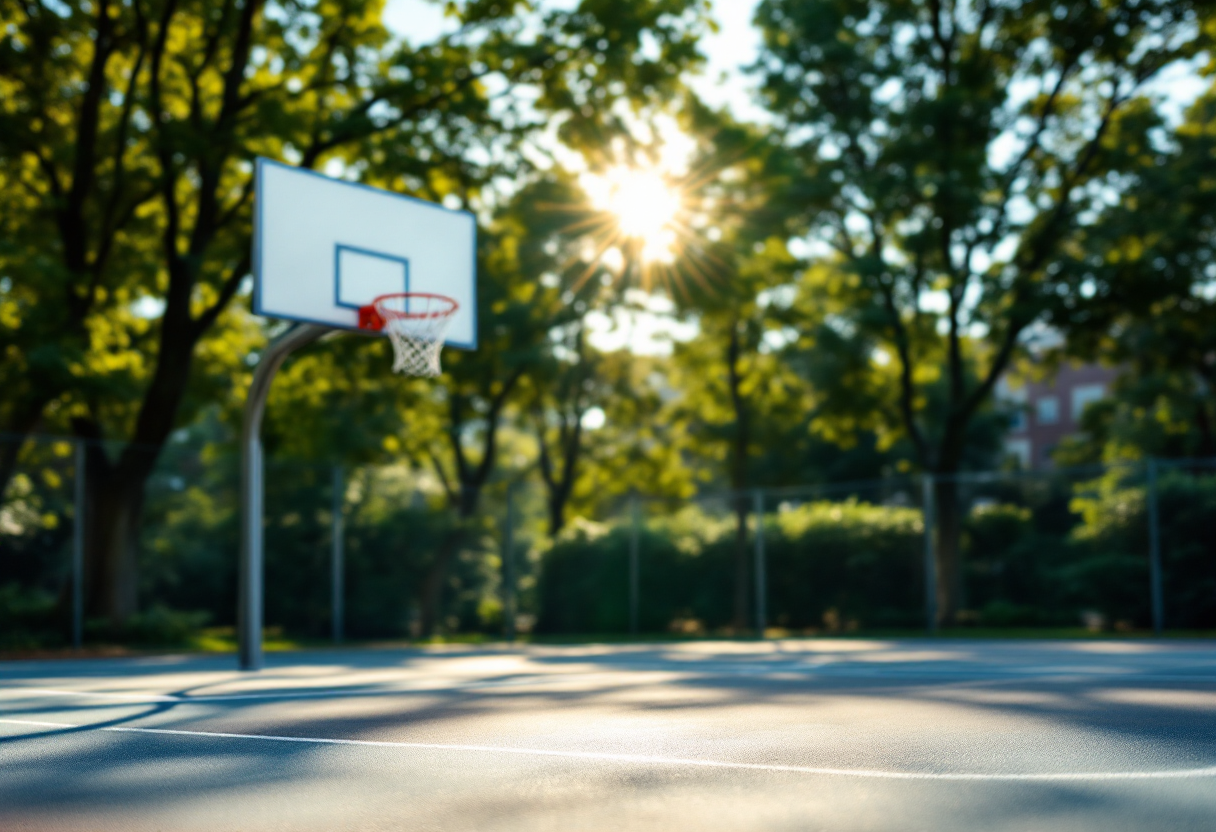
(324, 247)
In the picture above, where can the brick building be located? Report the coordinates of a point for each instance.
(1049, 410)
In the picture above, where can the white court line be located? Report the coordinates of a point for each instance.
(335, 693)
(137, 696)
(647, 759)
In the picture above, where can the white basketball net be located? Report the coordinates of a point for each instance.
(415, 323)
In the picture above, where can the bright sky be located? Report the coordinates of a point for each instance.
(651, 329)
(733, 46)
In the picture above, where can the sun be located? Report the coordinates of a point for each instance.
(638, 225)
(645, 208)
(643, 203)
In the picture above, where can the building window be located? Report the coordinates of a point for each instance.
(1019, 449)
(1083, 395)
(1017, 419)
(1047, 410)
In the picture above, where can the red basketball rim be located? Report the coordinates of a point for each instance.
(375, 314)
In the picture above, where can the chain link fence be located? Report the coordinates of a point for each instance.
(374, 552)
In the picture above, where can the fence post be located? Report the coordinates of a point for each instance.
(761, 577)
(337, 562)
(79, 497)
(1154, 549)
(508, 568)
(634, 532)
(930, 562)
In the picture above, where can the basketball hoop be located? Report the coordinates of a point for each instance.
(415, 323)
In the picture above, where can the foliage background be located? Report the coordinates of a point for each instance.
(852, 275)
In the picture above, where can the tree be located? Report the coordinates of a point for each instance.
(949, 153)
(636, 447)
(556, 249)
(1140, 294)
(477, 391)
(733, 396)
(127, 139)
(732, 387)
(76, 180)
(559, 419)
(176, 99)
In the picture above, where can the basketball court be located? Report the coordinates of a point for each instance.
(792, 734)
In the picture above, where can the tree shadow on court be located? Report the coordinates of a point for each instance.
(1110, 722)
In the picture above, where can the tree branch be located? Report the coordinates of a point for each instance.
(227, 290)
(84, 168)
(336, 139)
(168, 177)
(444, 482)
(489, 445)
(907, 387)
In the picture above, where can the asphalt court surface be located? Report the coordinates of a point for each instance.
(838, 734)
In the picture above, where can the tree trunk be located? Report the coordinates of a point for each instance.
(464, 498)
(1207, 446)
(431, 598)
(112, 567)
(739, 620)
(557, 513)
(115, 498)
(116, 488)
(558, 490)
(560, 485)
(947, 556)
(738, 474)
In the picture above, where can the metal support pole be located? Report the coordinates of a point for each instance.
(1154, 550)
(508, 568)
(761, 577)
(337, 562)
(635, 522)
(78, 521)
(249, 572)
(930, 561)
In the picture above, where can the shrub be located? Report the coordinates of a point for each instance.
(156, 627)
(29, 619)
(1111, 570)
(860, 561)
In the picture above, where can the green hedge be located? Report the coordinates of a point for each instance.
(838, 565)
(1078, 554)
(1111, 574)
(391, 538)
(1036, 552)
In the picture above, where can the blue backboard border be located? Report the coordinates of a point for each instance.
(261, 163)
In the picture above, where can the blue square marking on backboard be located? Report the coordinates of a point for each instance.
(339, 248)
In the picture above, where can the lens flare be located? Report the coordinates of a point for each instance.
(638, 228)
(645, 208)
(642, 202)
